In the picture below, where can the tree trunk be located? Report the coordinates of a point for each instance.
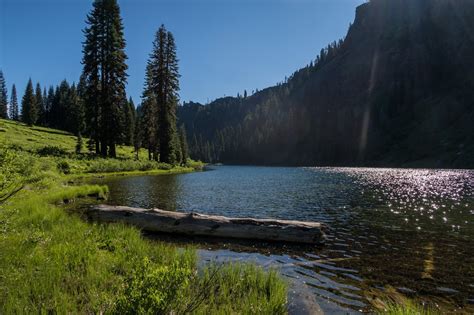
(156, 220)
(112, 150)
(97, 146)
(103, 148)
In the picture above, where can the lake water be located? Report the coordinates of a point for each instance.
(403, 230)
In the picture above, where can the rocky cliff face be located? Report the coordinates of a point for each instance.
(398, 91)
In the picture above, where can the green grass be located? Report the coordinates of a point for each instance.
(32, 139)
(392, 302)
(52, 261)
(408, 309)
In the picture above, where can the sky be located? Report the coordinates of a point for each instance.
(224, 46)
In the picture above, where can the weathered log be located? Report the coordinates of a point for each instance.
(156, 220)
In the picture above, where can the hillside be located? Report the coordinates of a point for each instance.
(34, 138)
(397, 91)
(53, 149)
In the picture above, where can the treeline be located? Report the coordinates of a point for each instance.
(245, 129)
(98, 107)
(60, 107)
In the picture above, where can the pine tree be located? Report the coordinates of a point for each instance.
(184, 145)
(163, 86)
(49, 106)
(79, 144)
(39, 103)
(60, 107)
(75, 110)
(3, 97)
(91, 74)
(177, 153)
(129, 121)
(44, 116)
(14, 115)
(138, 133)
(29, 111)
(149, 120)
(168, 141)
(104, 74)
(81, 93)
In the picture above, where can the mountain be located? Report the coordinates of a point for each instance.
(398, 90)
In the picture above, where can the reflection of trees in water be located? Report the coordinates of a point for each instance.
(165, 191)
(146, 191)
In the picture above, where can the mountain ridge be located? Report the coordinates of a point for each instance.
(397, 91)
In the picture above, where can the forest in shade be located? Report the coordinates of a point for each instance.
(398, 90)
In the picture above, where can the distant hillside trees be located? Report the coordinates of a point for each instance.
(3, 97)
(104, 75)
(13, 111)
(160, 100)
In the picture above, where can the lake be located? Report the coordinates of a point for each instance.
(390, 230)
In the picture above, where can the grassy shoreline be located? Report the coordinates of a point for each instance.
(53, 261)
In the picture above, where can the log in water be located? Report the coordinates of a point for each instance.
(156, 220)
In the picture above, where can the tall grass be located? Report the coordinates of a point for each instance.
(249, 288)
(55, 262)
(392, 302)
(408, 308)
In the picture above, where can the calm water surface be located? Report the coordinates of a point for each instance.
(404, 230)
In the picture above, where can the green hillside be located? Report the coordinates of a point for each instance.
(59, 147)
(34, 138)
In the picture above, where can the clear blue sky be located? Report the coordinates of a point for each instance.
(224, 46)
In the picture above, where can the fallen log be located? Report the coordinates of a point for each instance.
(156, 220)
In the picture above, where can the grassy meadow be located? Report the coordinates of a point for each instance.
(52, 261)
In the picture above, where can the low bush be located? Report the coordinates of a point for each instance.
(64, 167)
(152, 289)
(117, 165)
(52, 151)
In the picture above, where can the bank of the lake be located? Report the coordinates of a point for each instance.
(54, 261)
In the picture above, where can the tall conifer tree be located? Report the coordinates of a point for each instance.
(184, 145)
(162, 86)
(3, 97)
(29, 111)
(149, 120)
(44, 113)
(104, 74)
(169, 142)
(49, 106)
(75, 109)
(129, 121)
(14, 115)
(39, 103)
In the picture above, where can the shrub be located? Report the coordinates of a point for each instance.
(116, 165)
(51, 151)
(64, 167)
(153, 289)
